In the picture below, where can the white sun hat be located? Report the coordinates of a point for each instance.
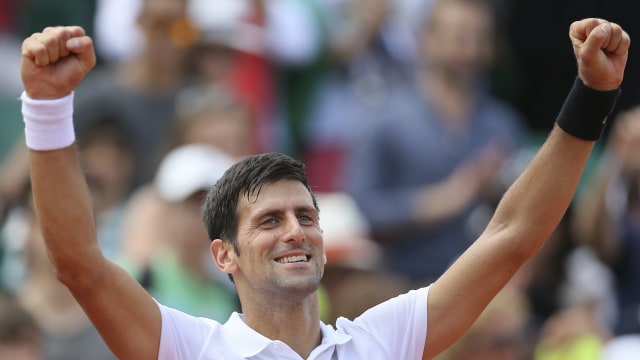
(188, 169)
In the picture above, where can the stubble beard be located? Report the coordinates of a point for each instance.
(296, 286)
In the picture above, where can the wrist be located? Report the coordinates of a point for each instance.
(585, 111)
(48, 122)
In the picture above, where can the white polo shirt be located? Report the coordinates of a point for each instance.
(395, 329)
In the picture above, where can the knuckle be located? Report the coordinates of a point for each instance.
(38, 49)
(49, 40)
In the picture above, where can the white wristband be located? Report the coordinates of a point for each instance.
(48, 123)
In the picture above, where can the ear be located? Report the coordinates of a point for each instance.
(224, 256)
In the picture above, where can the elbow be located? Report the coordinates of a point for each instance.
(79, 274)
(517, 243)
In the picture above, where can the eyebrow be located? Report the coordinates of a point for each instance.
(275, 212)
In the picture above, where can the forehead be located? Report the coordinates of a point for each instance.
(278, 195)
(459, 13)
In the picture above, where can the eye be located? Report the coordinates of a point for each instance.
(306, 219)
(269, 221)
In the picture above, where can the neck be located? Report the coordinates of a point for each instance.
(291, 320)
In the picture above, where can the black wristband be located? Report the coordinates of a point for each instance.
(585, 111)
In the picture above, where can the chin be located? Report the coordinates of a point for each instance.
(302, 286)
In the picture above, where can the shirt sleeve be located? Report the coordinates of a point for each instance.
(400, 323)
(183, 336)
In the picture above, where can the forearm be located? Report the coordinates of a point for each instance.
(536, 202)
(527, 214)
(63, 206)
(534, 205)
(53, 64)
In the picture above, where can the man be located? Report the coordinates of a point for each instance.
(266, 236)
(609, 217)
(176, 269)
(434, 161)
(140, 93)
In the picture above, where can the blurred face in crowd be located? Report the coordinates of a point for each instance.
(214, 115)
(109, 167)
(227, 130)
(458, 38)
(168, 32)
(213, 62)
(184, 225)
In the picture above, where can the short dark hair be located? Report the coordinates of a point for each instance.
(246, 178)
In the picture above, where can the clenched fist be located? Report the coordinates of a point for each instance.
(601, 49)
(55, 61)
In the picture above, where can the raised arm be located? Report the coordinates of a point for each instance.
(54, 62)
(533, 206)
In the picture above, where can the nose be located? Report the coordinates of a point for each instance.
(295, 231)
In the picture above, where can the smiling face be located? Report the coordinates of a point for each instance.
(279, 240)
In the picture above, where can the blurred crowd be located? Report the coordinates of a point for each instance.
(412, 116)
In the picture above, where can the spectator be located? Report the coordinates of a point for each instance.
(212, 114)
(232, 51)
(66, 332)
(178, 270)
(424, 174)
(573, 333)
(107, 155)
(205, 115)
(363, 67)
(609, 217)
(141, 92)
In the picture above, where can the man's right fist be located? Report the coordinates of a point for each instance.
(55, 61)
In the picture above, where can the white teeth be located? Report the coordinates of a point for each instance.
(292, 259)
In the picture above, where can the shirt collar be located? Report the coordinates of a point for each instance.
(332, 337)
(254, 343)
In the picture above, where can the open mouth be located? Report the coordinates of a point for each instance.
(293, 259)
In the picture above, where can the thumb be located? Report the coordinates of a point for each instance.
(597, 39)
